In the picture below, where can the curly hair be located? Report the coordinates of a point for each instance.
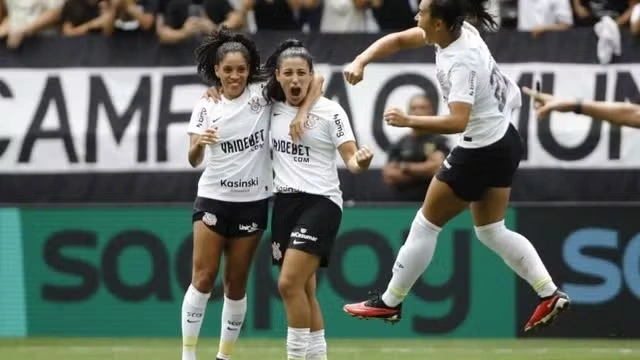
(287, 49)
(221, 42)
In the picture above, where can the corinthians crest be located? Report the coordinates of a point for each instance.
(311, 122)
(255, 105)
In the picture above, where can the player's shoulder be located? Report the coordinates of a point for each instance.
(205, 106)
(256, 88)
(326, 107)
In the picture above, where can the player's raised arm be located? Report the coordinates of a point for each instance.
(617, 113)
(383, 47)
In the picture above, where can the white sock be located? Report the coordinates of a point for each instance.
(297, 343)
(233, 312)
(519, 254)
(412, 260)
(317, 349)
(193, 307)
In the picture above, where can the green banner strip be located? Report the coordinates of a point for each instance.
(13, 311)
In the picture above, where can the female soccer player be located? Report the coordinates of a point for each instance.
(307, 208)
(230, 211)
(478, 172)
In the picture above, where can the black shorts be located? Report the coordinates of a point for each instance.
(305, 222)
(470, 172)
(232, 219)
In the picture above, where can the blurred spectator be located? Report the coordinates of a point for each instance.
(393, 15)
(80, 17)
(415, 158)
(275, 14)
(311, 15)
(25, 18)
(508, 14)
(635, 19)
(4, 25)
(225, 13)
(132, 15)
(340, 16)
(178, 20)
(589, 12)
(539, 16)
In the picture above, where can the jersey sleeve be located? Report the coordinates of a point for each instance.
(463, 77)
(339, 125)
(199, 121)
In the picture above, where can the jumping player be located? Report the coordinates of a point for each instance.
(478, 172)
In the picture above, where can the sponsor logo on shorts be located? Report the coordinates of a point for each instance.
(302, 235)
(249, 228)
(209, 219)
(276, 253)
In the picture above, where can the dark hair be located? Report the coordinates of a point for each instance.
(287, 49)
(454, 13)
(221, 42)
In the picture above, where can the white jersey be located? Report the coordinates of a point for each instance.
(238, 167)
(309, 166)
(468, 73)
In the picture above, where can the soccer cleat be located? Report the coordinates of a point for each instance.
(374, 308)
(547, 311)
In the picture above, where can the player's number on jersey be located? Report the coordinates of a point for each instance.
(499, 85)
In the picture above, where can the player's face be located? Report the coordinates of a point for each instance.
(294, 75)
(425, 22)
(233, 72)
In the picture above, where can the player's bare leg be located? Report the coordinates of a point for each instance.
(207, 249)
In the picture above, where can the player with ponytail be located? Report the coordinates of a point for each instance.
(478, 173)
(307, 206)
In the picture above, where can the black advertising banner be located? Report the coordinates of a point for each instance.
(593, 253)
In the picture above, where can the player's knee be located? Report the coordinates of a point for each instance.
(235, 287)
(288, 285)
(487, 233)
(203, 279)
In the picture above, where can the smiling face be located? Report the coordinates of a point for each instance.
(233, 72)
(294, 75)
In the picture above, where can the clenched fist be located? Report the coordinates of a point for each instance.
(209, 137)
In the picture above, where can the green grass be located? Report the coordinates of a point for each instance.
(339, 349)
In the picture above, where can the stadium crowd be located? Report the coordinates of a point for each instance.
(176, 20)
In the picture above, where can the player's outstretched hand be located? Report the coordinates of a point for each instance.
(396, 117)
(546, 103)
(209, 137)
(354, 72)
